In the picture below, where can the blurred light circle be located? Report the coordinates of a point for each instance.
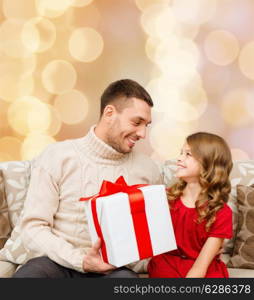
(212, 121)
(34, 144)
(181, 67)
(59, 76)
(144, 4)
(169, 48)
(85, 44)
(39, 91)
(5, 157)
(150, 17)
(3, 116)
(250, 104)
(52, 9)
(19, 9)
(56, 122)
(80, 3)
(165, 23)
(196, 96)
(217, 79)
(174, 103)
(194, 11)
(158, 20)
(13, 86)
(246, 60)
(183, 103)
(242, 138)
(10, 39)
(157, 49)
(221, 47)
(234, 108)
(16, 78)
(182, 111)
(17, 67)
(189, 31)
(11, 146)
(160, 85)
(56, 4)
(38, 34)
(72, 107)
(168, 146)
(151, 47)
(190, 47)
(28, 114)
(77, 18)
(238, 154)
(164, 92)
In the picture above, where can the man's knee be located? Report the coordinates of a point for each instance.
(123, 273)
(38, 267)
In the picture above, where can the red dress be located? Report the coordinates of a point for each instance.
(190, 238)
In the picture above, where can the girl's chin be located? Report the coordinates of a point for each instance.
(179, 176)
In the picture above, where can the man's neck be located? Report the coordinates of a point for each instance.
(99, 131)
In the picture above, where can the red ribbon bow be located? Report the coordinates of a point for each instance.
(137, 206)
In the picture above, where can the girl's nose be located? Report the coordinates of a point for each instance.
(180, 157)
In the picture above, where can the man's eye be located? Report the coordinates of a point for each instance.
(188, 153)
(136, 123)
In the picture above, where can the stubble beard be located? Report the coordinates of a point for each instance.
(112, 142)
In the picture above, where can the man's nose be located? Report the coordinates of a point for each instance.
(141, 133)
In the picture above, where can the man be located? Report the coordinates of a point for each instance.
(54, 225)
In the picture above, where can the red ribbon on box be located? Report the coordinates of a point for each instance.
(137, 206)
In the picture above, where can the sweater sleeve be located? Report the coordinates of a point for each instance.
(36, 226)
(157, 173)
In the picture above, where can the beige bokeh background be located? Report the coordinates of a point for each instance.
(195, 57)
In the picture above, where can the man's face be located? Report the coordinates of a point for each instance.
(129, 125)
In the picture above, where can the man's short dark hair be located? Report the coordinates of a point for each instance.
(118, 93)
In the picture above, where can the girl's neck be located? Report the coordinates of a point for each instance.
(191, 193)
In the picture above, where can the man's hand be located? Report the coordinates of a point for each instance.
(93, 261)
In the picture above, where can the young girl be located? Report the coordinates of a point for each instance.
(200, 216)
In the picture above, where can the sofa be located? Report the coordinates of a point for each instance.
(237, 252)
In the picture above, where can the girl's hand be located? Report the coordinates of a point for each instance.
(211, 248)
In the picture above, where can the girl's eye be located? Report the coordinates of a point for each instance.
(188, 153)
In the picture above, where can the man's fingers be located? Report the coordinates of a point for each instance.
(108, 267)
(97, 245)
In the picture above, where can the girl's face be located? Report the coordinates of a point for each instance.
(188, 167)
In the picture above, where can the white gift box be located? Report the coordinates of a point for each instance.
(116, 223)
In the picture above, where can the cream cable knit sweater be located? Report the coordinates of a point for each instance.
(54, 222)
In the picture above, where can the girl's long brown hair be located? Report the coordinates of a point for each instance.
(214, 156)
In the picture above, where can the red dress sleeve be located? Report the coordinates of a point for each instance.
(223, 225)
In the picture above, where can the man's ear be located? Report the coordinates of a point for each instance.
(109, 111)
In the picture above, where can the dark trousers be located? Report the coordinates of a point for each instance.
(43, 267)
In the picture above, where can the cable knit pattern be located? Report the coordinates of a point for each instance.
(54, 221)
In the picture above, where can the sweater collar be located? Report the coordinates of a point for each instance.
(98, 150)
